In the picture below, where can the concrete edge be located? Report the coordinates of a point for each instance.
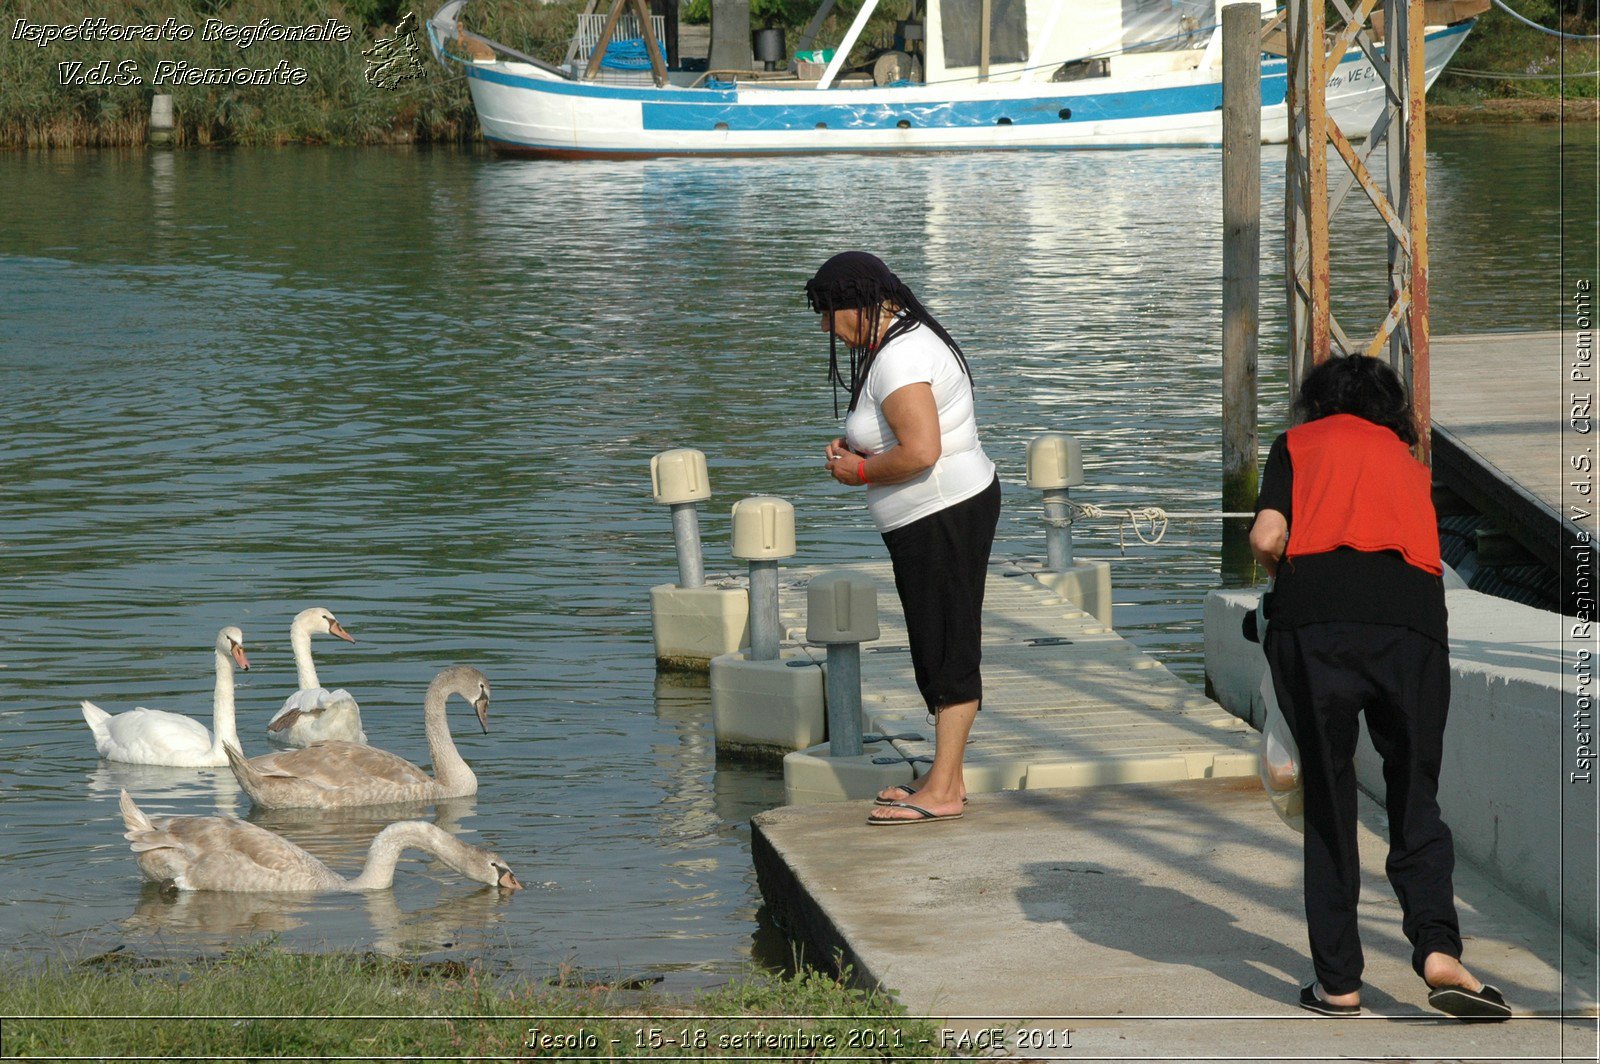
(801, 917)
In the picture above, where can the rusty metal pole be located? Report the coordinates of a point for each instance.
(1416, 86)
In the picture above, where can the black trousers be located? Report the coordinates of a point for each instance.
(1324, 675)
(941, 563)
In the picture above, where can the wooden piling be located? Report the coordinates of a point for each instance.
(160, 131)
(1241, 264)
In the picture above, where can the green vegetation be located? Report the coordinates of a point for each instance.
(1527, 61)
(262, 1001)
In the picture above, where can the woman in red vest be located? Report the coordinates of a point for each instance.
(1345, 522)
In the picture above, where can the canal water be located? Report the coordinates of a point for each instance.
(422, 388)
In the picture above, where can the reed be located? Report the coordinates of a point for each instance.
(335, 104)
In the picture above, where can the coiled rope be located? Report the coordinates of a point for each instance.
(1149, 522)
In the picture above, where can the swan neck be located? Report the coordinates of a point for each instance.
(223, 727)
(449, 770)
(300, 643)
(392, 841)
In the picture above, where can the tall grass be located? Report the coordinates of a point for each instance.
(335, 105)
(261, 1001)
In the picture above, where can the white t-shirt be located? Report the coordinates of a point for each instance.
(962, 471)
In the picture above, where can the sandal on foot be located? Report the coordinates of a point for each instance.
(1312, 1001)
(922, 817)
(910, 793)
(1487, 1005)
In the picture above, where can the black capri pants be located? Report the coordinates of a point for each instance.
(941, 563)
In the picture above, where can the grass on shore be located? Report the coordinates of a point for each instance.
(264, 1001)
(1529, 64)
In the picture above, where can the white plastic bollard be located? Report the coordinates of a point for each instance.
(763, 533)
(678, 478)
(842, 613)
(1055, 463)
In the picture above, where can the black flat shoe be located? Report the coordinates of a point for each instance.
(1473, 1006)
(1310, 1001)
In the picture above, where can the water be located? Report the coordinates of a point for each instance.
(422, 389)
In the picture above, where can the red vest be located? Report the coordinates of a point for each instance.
(1356, 485)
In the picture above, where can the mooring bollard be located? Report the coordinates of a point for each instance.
(763, 533)
(161, 122)
(841, 614)
(1055, 463)
(678, 479)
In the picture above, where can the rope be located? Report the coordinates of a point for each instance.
(1154, 519)
(1501, 4)
(1490, 75)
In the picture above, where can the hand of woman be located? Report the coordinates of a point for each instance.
(843, 466)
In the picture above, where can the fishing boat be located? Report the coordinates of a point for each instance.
(1047, 74)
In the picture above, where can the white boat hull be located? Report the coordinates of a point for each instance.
(523, 109)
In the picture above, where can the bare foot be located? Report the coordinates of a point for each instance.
(907, 791)
(1352, 998)
(937, 801)
(1441, 969)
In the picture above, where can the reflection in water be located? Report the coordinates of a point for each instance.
(214, 918)
(229, 396)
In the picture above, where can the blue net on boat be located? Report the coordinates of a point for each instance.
(628, 54)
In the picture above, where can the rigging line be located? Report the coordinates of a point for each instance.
(1490, 75)
(1501, 4)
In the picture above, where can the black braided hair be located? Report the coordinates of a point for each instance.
(857, 280)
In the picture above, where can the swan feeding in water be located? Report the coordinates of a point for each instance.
(222, 853)
(313, 713)
(156, 737)
(330, 775)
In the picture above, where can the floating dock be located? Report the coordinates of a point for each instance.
(1067, 701)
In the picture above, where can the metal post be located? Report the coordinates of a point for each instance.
(844, 700)
(1057, 530)
(686, 534)
(764, 626)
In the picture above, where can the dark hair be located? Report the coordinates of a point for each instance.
(858, 280)
(1359, 385)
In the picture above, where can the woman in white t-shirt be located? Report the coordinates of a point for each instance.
(911, 439)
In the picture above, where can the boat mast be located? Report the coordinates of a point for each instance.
(841, 56)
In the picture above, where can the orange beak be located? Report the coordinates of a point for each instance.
(335, 628)
(238, 656)
(509, 881)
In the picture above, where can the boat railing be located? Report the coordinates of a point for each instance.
(587, 35)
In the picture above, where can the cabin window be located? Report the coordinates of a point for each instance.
(1008, 31)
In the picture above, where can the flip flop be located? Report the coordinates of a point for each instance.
(1474, 1006)
(923, 817)
(1312, 1001)
(880, 800)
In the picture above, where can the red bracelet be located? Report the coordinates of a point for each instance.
(861, 470)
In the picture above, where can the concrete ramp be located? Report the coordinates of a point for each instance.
(1151, 920)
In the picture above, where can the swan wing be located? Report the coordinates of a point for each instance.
(302, 703)
(154, 737)
(222, 853)
(333, 765)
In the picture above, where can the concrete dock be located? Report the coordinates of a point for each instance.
(1124, 876)
(1500, 413)
(1159, 920)
(1067, 701)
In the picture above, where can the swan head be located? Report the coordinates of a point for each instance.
(230, 644)
(469, 683)
(319, 621)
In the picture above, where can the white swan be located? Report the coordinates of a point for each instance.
(221, 853)
(329, 775)
(312, 712)
(154, 737)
